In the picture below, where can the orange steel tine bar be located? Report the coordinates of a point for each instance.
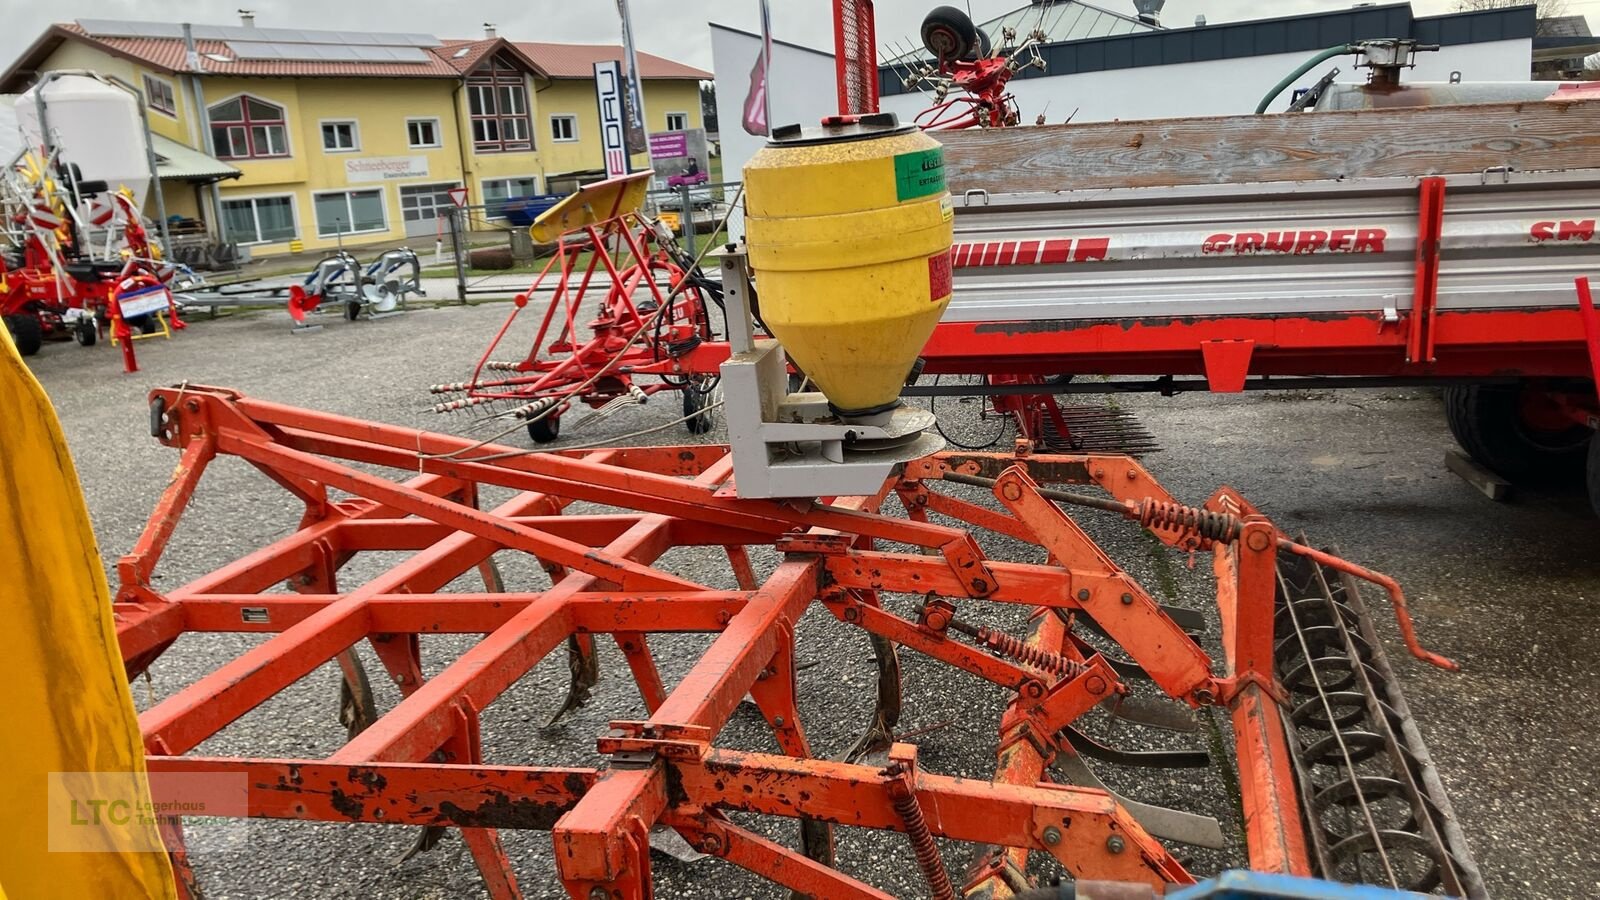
(420, 762)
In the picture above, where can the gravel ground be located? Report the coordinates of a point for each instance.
(1510, 591)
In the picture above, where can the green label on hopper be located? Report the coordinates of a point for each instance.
(919, 174)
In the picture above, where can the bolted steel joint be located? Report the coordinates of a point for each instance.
(1115, 843)
(1052, 835)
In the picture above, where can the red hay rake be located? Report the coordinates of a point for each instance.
(419, 763)
(603, 247)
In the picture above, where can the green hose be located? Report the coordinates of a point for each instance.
(1305, 67)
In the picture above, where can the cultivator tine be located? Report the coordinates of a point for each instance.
(357, 709)
(583, 669)
(1153, 712)
(1376, 808)
(874, 743)
(1163, 822)
(1096, 429)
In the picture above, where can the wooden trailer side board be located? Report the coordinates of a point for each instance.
(1441, 140)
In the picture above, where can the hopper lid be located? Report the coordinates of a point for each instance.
(835, 129)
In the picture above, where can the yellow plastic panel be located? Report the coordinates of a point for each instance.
(67, 703)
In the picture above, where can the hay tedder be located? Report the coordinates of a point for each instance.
(650, 308)
(57, 282)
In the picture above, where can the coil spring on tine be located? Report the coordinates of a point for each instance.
(454, 388)
(1215, 526)
(535, 408)
(455, 405)
(1010, 646)
(927, 852)
(496, 365)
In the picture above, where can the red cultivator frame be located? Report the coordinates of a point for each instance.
(627, 339)
(419, 763)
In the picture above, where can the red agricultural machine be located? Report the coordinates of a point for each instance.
(647, 307)
(56, 283)
(969, 75)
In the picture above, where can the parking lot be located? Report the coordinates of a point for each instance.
(1512, 591)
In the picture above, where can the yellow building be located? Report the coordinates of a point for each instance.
(276, 136)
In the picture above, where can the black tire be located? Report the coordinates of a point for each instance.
(26, 333)
(983, 49)
(145, 324)
(352, 311)
(545, 430)
(948, 33)
(1488, 423)
(694, 406)
(85, 333)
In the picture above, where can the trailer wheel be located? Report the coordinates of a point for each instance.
(948, 33)
(85, 333)
(545, 430)
(1499, 427)
(699, 419)
(352, 311)
(26, 333)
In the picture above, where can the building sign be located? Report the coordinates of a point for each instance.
(385, 168)
(613, 129)
(669, 145)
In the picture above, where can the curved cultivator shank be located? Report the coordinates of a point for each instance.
(601, 523)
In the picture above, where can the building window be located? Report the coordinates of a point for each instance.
(677, 121)
(497, 192)
(247, 128)
(564, 128)
(350, 212)
(422, 133)
(158, 96)
(498, 100)
(258, 220)
(340, 137)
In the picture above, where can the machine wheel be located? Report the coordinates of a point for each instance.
(545, 430)
(982, 48)
(948, 33)
(26, 332)
(1593, 475)
(1499, 427)
(694, 406)
(352, 311)
(85, 333)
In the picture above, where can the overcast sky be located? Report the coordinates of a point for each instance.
(671, 28)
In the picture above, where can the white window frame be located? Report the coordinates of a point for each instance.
(383, 197)
(564, 140)
(685, 117)
(438, 132)
(294, 213)
(355, 135)
(172, 89)
(483, 190)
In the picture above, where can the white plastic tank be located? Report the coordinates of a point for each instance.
(97, 127)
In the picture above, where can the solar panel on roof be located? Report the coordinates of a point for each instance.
(241, 34)
(326, 52)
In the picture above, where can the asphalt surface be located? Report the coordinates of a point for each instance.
(1512, 591)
